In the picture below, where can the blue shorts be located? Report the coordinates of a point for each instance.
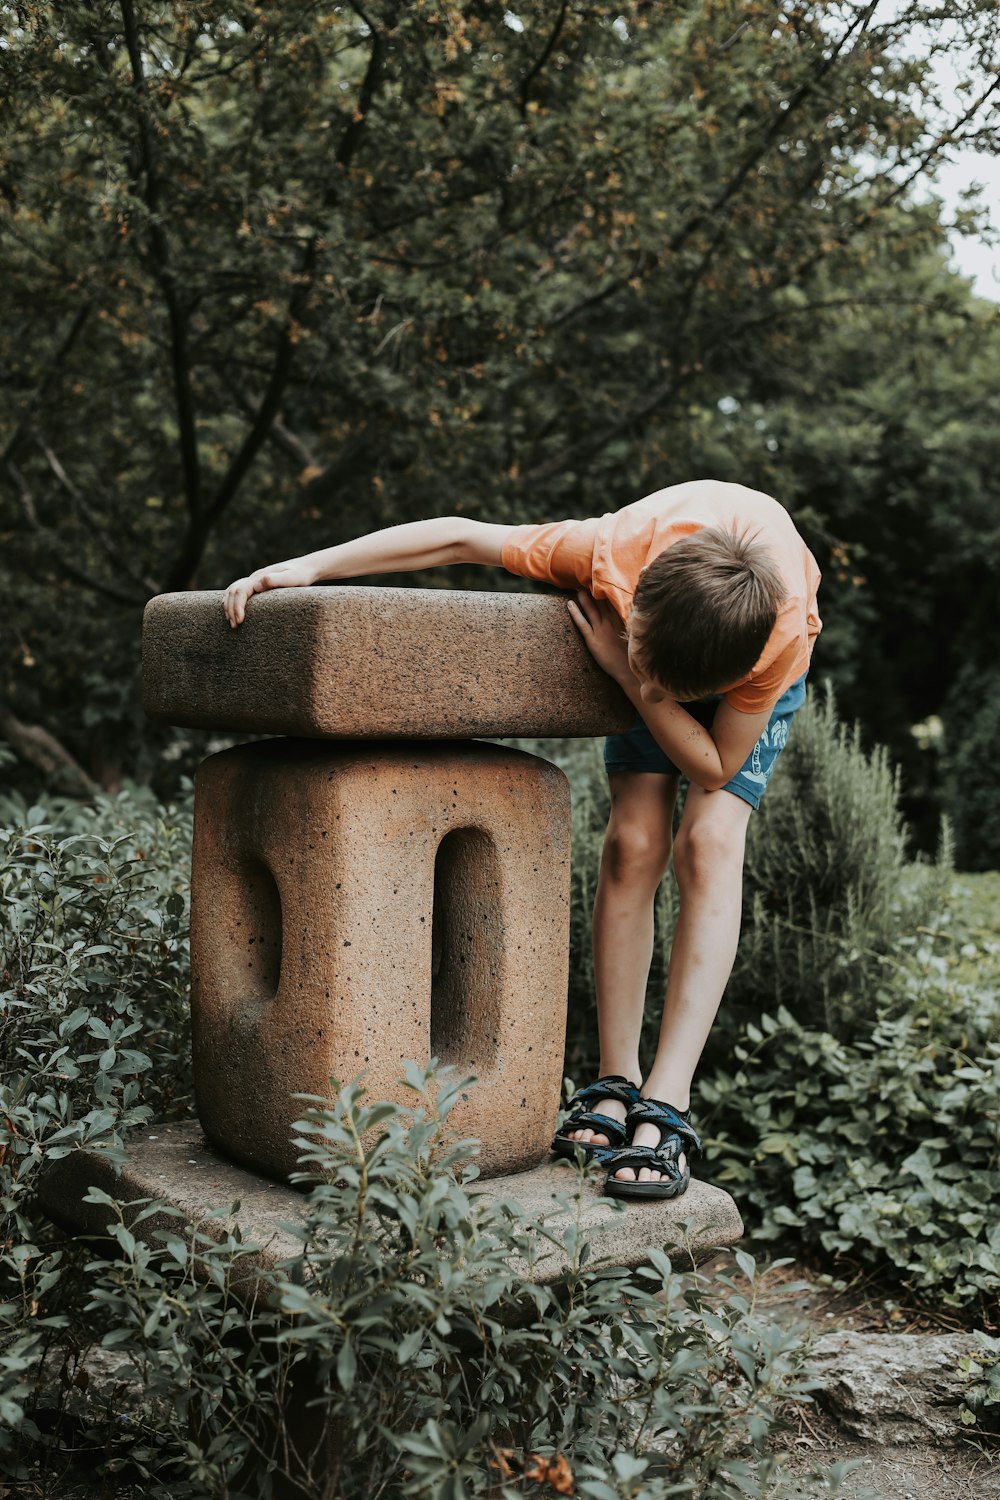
(638, 751)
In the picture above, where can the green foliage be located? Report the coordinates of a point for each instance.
(981, 1407)
(829, 890)
(275, 275)
(882, 1151)
(93, 1021)
(402, 1351)
(971, 735)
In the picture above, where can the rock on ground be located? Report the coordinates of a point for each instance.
(892, 1388)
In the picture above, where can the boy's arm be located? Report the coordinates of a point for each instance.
(710, 757)
(396, 549)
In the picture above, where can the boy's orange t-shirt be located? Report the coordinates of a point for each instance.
(606, 554)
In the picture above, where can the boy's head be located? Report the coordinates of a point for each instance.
(703, 611)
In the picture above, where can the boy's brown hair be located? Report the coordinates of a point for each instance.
(703, 611)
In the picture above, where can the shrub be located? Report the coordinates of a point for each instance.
(971, 735)
(93, 1023)
(401, 1353)
(830, 894)
(882, 1152)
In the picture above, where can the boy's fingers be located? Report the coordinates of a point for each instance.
(577, 615)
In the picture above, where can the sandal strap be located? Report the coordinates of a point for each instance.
(586, 1119)
(670, 1122)
(658, 1158)
(613, 1087)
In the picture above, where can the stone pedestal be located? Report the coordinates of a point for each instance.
(357, 905)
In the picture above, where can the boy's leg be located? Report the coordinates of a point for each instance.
(633, 862)
(708, 864)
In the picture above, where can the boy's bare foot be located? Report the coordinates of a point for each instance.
(596, 1120)
(654, 1164)
(590, 1137)
(647, 1135)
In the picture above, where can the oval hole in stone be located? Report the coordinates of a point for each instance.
(467, 951)
(259, 936)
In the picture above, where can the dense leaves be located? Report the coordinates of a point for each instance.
(279, 274)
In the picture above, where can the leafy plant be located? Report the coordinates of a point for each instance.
(93, 1028)
(881, 1152)
(402, 1350)
(981, 1406)
(831, 895)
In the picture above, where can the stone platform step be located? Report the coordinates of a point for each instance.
(176, 1163)
(353, 662)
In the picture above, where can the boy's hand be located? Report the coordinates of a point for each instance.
(286, 575)
(603, 634)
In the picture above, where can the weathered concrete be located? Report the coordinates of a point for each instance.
(355, 662)
(356, 906)
(177, 1164)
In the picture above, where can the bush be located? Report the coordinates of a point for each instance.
(882, 1152)
(400, 1353)
(829, 891)
(93, 1023)
(971, 735)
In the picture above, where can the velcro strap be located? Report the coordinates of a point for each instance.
(590, 1120)
(669, 1120)
(608, 1088)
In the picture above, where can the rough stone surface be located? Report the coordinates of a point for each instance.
(703, 1220)
(356, 662)
(892, 1388)
(176, 1163)
(357, 906)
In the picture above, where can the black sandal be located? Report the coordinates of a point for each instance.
(583, 1118)
(677, 1136)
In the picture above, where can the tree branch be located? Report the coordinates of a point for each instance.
(160, 248)
(200, 528)
(83, 506)
(107, 591)
(542, 59)
(39, 748)
(771, 134)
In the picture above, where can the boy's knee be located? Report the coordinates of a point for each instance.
(633, 850)
(703, 850)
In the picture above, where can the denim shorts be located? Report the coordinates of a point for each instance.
(638, 751)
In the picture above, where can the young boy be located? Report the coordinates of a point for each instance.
(700, 601)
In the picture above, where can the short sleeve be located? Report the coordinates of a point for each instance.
(559, 552)
(765, 685)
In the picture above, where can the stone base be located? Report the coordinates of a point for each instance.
(176, 1163)
(355, 906)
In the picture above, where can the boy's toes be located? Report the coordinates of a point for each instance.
(588, 1138)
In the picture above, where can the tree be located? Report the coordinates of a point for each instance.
(277, 274)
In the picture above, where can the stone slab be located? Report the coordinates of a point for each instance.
(175, 1162)
(358, 906)
(351, 662)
